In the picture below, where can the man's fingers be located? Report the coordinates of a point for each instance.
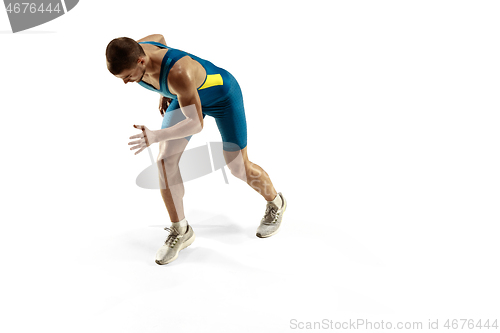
(166, 103)
(137, 136)
(143, 142)
(137, 147)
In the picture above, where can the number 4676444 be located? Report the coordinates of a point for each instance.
(26, 7)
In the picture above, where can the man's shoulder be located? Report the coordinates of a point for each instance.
(182, 75)
(153, 38)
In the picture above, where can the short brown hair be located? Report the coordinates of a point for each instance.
(122, 53)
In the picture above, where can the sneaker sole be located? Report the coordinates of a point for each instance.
(275, 231)
(184, 245)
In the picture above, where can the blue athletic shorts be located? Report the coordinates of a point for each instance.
(224, 103)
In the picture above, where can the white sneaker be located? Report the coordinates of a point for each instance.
(271, 222)
(173, 244)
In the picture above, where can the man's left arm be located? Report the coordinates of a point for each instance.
(181, 83)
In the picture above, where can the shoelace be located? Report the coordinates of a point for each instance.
(173, 237)
(271, 212)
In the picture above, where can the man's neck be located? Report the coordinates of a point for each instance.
(152, 65)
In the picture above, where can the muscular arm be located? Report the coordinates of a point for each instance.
(181, 83)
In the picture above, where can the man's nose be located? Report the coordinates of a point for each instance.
(125, 81)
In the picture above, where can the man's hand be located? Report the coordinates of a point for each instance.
(164, 103)
(146, 138)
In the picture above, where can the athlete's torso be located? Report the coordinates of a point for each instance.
(169, 57)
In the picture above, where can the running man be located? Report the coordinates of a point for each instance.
(189, 88)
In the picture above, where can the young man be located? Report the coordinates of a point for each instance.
(190, 88)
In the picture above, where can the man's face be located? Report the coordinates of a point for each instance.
(134, 74)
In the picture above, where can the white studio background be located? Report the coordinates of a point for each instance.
(378, 120)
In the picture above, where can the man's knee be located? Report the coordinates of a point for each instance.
(168, 168)
(168, 162)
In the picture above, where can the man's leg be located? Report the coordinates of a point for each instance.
(171, 185)
(172, 190)
(241, 167)
(231, 122)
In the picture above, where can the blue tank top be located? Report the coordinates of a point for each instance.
(215, 75)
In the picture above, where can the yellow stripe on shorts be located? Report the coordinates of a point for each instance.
(212, 80)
